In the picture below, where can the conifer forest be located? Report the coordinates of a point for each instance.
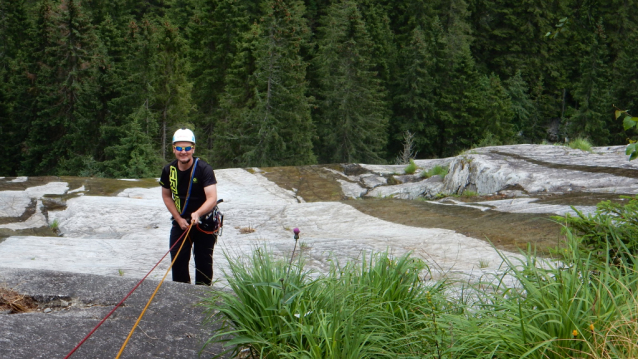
(96, 88)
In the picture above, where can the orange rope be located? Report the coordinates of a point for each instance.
(130, 334)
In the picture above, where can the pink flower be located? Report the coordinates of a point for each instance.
(295, 231)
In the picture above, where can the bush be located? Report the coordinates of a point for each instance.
(611, 231)
(410, 168)
(580, 144)
(435, 171)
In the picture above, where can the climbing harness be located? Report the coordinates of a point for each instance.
(212, 222)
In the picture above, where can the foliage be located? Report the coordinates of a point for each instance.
(437, 170)
(268, 122)
(283, 82)
(370, 309)
(612, 230)
(580, 306)
(554, 309)
(580, 144)
(410, 168)
(352, 114)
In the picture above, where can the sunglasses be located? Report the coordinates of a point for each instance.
(179, 148)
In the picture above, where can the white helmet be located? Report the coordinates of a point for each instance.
(183, 135)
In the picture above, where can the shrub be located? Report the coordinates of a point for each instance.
(580, 144)
(434, 171)
(612, 230)
(410, 168)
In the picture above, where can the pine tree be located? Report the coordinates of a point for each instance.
(14, 83)
(214, 37)
(496, 113)
(267, 112)
(352, 114)
(593, 94)
(63, 123)
(133, 155)
(414, 95)
(526, 119)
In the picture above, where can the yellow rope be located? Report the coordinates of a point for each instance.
(130, 334)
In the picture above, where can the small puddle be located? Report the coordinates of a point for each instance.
(581, 199)
(509, 231)
(622, 172)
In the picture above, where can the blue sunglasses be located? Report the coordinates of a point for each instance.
(179, 148)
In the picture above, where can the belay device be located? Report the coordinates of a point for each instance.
(213, 221)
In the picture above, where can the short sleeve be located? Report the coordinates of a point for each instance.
(164, 180)
(207, 177)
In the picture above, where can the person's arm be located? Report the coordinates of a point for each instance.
(170, 205)
(211, 201)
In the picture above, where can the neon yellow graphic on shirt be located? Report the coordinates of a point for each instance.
(173, 180)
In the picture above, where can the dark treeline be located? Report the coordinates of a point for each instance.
(96, 88)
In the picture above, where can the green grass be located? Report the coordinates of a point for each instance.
(468, 193)
(54, 225)
(382, 307)
(580, 144)
(483, 263)
(435, 171)
(410, 168)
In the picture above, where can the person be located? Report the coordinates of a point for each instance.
(189, 191)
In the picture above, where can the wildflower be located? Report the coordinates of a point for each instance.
(591, 327)
(296, 232)
(575, 333)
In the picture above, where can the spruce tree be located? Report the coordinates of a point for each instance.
(171, 87)
(214, 37)
(414, 100)
(15, 81)
(63, 125)
(496, 113)
(266, 119)
(352, 114)
(525, 119)
(594, 114)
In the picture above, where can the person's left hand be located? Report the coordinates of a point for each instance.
(195, 217)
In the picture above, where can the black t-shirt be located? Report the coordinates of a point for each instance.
(178, 181)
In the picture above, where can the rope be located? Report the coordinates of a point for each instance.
(126, 297)
(212, 232)
(148, 303)
(188, 193)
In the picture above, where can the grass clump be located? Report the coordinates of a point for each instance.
(54, 225)
(437, 170)
(580, 144)
(365, 310)
(580, 304)
(410, 168)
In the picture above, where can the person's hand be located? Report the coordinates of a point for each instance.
(183, 224)
(195, 217)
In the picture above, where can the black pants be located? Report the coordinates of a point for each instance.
(202, 246)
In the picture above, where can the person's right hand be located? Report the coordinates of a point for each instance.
(183, 224)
